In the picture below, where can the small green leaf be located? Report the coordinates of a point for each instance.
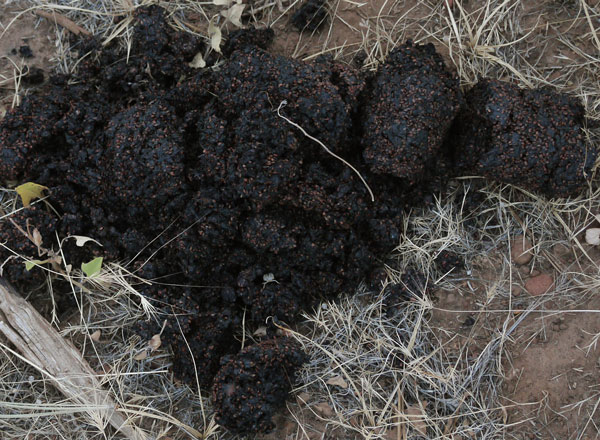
(30, 264)
(29, 191)
(93, 267)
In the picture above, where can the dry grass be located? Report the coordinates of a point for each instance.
(453, 389)
(398, 378)
(393, 376)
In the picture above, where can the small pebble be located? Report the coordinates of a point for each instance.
(524, 270)
(540, 284)
(521, 251)
(560, 250)
(592, 236)
(517, 290)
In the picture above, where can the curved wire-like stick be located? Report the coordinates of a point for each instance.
(341, 159)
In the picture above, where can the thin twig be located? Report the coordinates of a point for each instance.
(63, 21)
(344, 161)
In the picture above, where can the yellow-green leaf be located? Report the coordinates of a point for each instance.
(29, 191)
(30, 264)
(93, 267)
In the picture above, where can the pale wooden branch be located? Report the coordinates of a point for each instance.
(56, 358)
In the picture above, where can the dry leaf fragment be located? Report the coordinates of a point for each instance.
(29, 191)
(323, 409)
(337, 381)
(234, 14)
(56, 262)
(303, 397)
(36, 238)
(592, 236)
(222, 2)
(198, 62)
(260, 332)
(154, 342)
(416, 418)
(81, 240)
(392, 434)
(63, 21)
(96, 336)
(214, 33)
(141, 355)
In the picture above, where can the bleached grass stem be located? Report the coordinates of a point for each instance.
(314, 139)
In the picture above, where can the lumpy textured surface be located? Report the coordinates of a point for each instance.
(253, 384)
(202, 182)
(532, 138)
(411, 107)
(311, 16)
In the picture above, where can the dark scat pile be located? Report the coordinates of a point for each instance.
(531, 138)
(252, 385)
(311, 16)
(235, 197)
(412, 105)
(199, 172)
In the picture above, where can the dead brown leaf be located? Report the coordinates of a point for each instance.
(154, 343)
(337, 381)
(323, 409)
(141, 355)
(96, 336)
(416, 418)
